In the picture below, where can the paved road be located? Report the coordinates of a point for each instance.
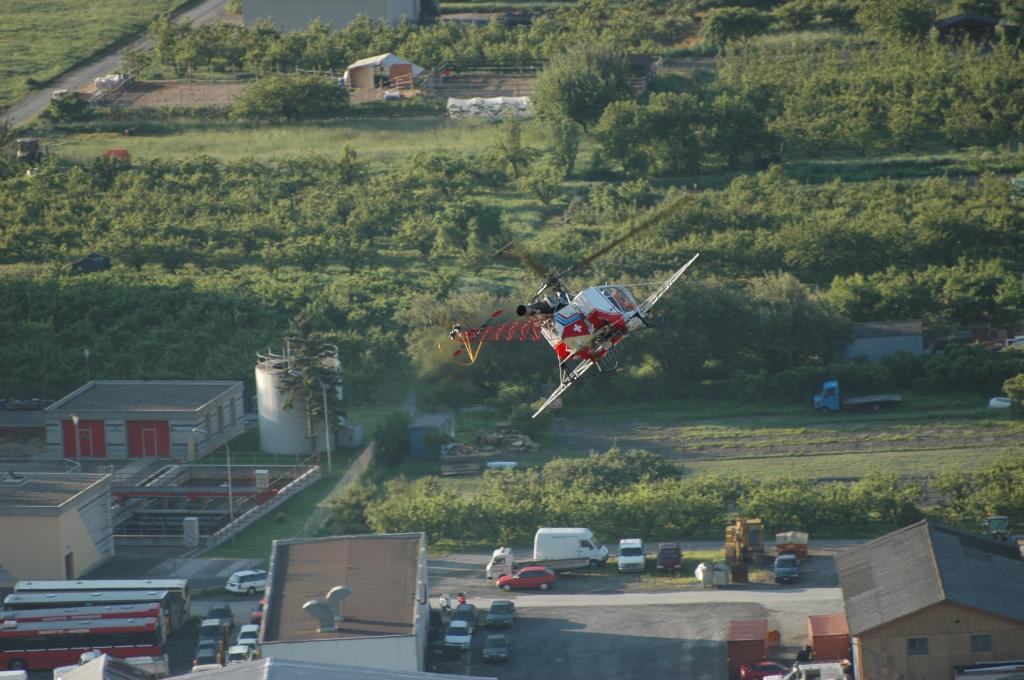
(776, 597)
(33, 104)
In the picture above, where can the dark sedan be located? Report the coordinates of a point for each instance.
(501, 614)
(496, 648)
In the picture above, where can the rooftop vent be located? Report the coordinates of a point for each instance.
(328, 610)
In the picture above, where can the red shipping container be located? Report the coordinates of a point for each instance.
(746, 643)
(829, 637)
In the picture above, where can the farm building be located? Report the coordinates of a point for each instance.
(875, 341)
(383, 621)
(116, 419)
(62, 522)
(425, 426)
(296, 15)
(380, 70)
(926, 598)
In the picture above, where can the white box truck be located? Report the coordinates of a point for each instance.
(554, 547)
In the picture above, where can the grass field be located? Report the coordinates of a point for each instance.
(284, 522)
(40, 40)
(287, 521)
(918, 440)
(390, 141)
(923, 438)
(376, 139)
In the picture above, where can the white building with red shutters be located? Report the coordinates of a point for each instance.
(126, 419)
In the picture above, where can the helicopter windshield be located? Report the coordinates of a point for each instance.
(620, 298)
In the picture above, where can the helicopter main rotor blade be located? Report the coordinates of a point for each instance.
(651, 219)
(514, 250)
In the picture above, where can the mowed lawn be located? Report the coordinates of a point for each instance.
(40, 39)
(383, 140)
(925, 437)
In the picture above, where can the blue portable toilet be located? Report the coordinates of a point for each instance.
(422, 426)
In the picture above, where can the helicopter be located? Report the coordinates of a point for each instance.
(582, 327)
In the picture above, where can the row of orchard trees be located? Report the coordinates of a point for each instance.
(641, 25)
(259, 242)
(768, 102)
(936, 248)
(636, 493)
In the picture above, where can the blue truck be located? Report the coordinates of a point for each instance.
(830, 399)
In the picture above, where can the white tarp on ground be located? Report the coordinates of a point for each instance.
(489, 107)
(382, 64)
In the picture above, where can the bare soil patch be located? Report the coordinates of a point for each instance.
(153, 94)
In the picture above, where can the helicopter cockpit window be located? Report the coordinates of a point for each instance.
(619, 298)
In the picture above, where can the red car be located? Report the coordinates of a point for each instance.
(762, 669)
(256, 615)
(528, 577)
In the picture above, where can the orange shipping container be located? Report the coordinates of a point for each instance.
(746, 643)
(829, 636)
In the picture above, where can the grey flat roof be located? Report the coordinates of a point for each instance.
(921, 565)
(43, 489)
(105, 667)
(143, 395)
(431, 420)
(270, 668)
(34, 418)
(381, 570)
(882, 329)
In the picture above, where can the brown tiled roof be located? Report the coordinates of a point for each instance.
(381, 570)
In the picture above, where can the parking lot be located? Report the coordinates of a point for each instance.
(603, 624)
(595, 623)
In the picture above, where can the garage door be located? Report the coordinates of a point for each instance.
(91, 440)
(148, 439)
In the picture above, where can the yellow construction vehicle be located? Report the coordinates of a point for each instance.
(743, 541)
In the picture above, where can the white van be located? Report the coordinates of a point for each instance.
(567, 543)
(631, 555)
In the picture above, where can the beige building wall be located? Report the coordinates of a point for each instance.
(31, 548)
(393, 653)
(882, 653)
(76, 540)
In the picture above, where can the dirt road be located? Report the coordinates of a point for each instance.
(33, 104)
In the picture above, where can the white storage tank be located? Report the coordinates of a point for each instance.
(281, 430)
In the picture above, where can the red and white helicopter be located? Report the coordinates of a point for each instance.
(582, 327)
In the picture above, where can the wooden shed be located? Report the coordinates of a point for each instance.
(746, 643)
(829, 637)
